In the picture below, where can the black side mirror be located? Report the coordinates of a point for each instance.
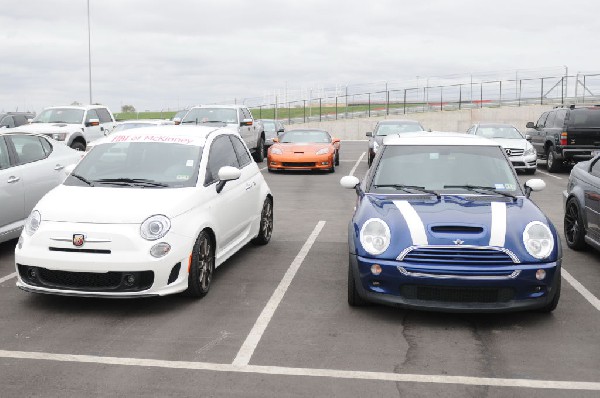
(369, 134)
(530, 125)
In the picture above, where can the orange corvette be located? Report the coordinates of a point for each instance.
(304, 150)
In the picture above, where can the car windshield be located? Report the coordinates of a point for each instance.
(444, 169)
(269, 126)
(395, 128)
(499, 132)
(210, 115)
(127, 126)
(304, 136)
(138, 165)
(60, 115)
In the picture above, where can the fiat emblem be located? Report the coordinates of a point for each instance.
(78, 240)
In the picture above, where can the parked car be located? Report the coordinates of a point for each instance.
(30, 166)
(520, 151)
(76, 126)
(178, 117)
(183, 199)
(582, 206)
(132, 124)
(272, 130)
(457, 233)
(307, 149)
(566, 135)
(236, 117)
(386, 127)
(14, 119)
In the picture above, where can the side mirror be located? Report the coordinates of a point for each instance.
(369, 134)
(177, 120)
(227, 173)
(275, 139)
(93, 122)
(530, 125)
(534, 185)
(527, 137)
(280, 131)
(349, 182)
(429, 130)
(246, 122)
(335, 140)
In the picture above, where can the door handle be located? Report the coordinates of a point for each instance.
(13, 179)
(59, 167)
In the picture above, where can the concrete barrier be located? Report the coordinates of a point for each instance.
(457, 120)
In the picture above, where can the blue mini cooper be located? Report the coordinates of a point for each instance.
(442, 224)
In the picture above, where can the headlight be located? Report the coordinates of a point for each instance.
(276, 151)
(529, 151)
(323, 151)
(59, 136)
(375, 146)
(375, 236)
(33, 222)
(155, 227)
(538, 239)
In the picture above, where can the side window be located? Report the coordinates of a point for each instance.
(240, 115)
(4, 159)
(103, 115)
(542, 120)
(241, 151)
(28, 147)
(91, 114)
(550, 120)
(46, 146)
(221, 154)
(596, 169)
(247, 114)
(8, 122)
(560, 118)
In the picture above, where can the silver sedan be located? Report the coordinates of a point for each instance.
(30, 166)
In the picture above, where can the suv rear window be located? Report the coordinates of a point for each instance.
(584, 117)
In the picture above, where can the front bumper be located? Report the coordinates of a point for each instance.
(524, 162)
(300, 162)
(115, 262)
(456, 288)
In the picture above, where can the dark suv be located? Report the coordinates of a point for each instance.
(566, 135)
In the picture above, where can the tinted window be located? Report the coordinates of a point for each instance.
(221, 154)
(596, 169)
(91, 114)
(241, 151)
(104, 115)
(4, 159)
(584, 117)
(542, 120)
(47, 146)
(28, 147)
(550, 120)
(560, 118)
(7, 122)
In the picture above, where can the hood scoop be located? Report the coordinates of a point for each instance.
(453, 229)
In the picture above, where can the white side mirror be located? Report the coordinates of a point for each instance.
(228, 173)
(349, 182)
(535, 184)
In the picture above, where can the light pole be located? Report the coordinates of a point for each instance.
(89, 50)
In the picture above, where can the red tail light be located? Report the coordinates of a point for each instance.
(563, 138)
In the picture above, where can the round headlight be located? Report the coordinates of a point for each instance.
(155, 227)
(375, 236)
(538, 239)
(33, 222)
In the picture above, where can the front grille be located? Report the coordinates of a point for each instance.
(71, 250)
(457, 228)
(514, 151)
(86, 281)
(457, 294)
(518, 164)
(457, 255)
(298, 164)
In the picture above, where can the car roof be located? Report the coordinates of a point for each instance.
(147, 121)
(219, 106)
(438, 138)
(82, 107)
(192, 135)
(397, 121)
(300, 129)
(495, 125)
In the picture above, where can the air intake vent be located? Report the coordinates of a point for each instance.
(457, 229)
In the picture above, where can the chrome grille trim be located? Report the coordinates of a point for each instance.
(405, 272)
(409, 249)
(87, 240)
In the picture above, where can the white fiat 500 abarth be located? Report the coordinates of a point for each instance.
(147, 212)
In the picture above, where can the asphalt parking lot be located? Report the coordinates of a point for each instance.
(276, 323)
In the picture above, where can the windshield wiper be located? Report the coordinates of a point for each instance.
(480, 188)
(81, 178)
(407, 187)
(132, 182)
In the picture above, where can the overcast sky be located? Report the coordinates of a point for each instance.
(157, 54)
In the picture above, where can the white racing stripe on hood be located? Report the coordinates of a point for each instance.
(414, 222)
(498, 228)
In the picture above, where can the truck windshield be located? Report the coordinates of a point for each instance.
(60, 115)
(210, 115)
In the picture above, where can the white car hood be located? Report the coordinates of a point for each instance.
(513, 143)
(45, 128)
(108, 205)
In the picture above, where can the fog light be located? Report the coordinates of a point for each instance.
(376, 269)
(31, 273)
(160, 249)
(540, 274)
(324, 163)
(129, 280)
(20, 242)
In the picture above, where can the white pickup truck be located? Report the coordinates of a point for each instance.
(76, 126)
(235, 117)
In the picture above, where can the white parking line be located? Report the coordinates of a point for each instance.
(550, 175)
(8, 277)
(263, 168)
(593, 300)
(357, 163)
(245, 353)
(330, 373)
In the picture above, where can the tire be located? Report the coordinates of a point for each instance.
(551, 306)
(78, 146)
(354, 299)
(203, 266)
(369, 160)
(574, 228)
(337, 158)
(552, 163)
(266, 223)
(259, 153)
(332, 169)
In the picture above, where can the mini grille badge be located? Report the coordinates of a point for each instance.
(78, 240)
(458, 242)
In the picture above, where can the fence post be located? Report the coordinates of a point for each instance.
(459, 96)
(404, 102)
(481, 95)
(542, 93)
(520, 81)
(387, 101)
(441, 98)
(369, 108)
(289, 113)
(260, 112)
(500, 101)
(584, 88)
(320, 109)
(304, 107)
(335, 107)
(562, 90)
